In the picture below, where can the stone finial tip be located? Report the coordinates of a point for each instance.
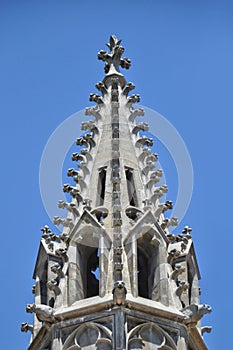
(113, 59)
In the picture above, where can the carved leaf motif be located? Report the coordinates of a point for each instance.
(113, 42)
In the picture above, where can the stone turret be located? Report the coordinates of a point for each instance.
(116, 278)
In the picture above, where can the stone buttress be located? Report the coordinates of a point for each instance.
(116, 278)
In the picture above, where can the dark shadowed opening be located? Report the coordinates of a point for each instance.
(143, 290)
(131, 187)
(93, 274)
(101, 187)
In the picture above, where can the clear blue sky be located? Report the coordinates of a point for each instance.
(182, 56)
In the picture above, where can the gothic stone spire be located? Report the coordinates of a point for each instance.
(116, 277)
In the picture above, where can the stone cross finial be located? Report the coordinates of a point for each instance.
(46, 230)
(187, 230)
(113, 59)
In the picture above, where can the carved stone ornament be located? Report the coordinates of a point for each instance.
(119, 293)
(25, 327)
(113, 59)
(193, 313)
(44, 313)
(149, 336)
(89, 336)
(115, 277)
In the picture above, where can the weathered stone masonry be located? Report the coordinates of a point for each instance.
(116, 278)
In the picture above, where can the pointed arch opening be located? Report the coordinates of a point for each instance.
(93, 274)
(43, 284)
(143, 273)
(131, 187)
(89, 268)
(101, 186)
(147, 266)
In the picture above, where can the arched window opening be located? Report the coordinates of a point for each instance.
(148, 269)
(143, 288)
(101, 187)
(43, 284)
(190, 282)
(93, 274)
(87, 270)
(131, 187)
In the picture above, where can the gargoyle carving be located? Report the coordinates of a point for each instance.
(136, 113)
(140, 126)
(78, 178)
(133, 99)
(44, 313)
(50, 238)
(119, 293)
(71, 207)
(61, 252)
(96, 98)
(184, 239)
(90, 125)
(159, 192)
(144, 141)
(145, 153)
(73, 191)
(118, 251)
(177, 271)
(101, 87)
(78, 157)
(68, 222)
(154, 178)
(86, 140)
(172, 255)
(148, 167)
(182, 287)
(152, 157)
(94, 111)
(57, 269)
(171, 237)
(193, 313)
(64, 236)
(25, 327)
(113, 59)
(162, 207)
(169, 222)
(128, 87)
(168, 205)
(53, 285)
